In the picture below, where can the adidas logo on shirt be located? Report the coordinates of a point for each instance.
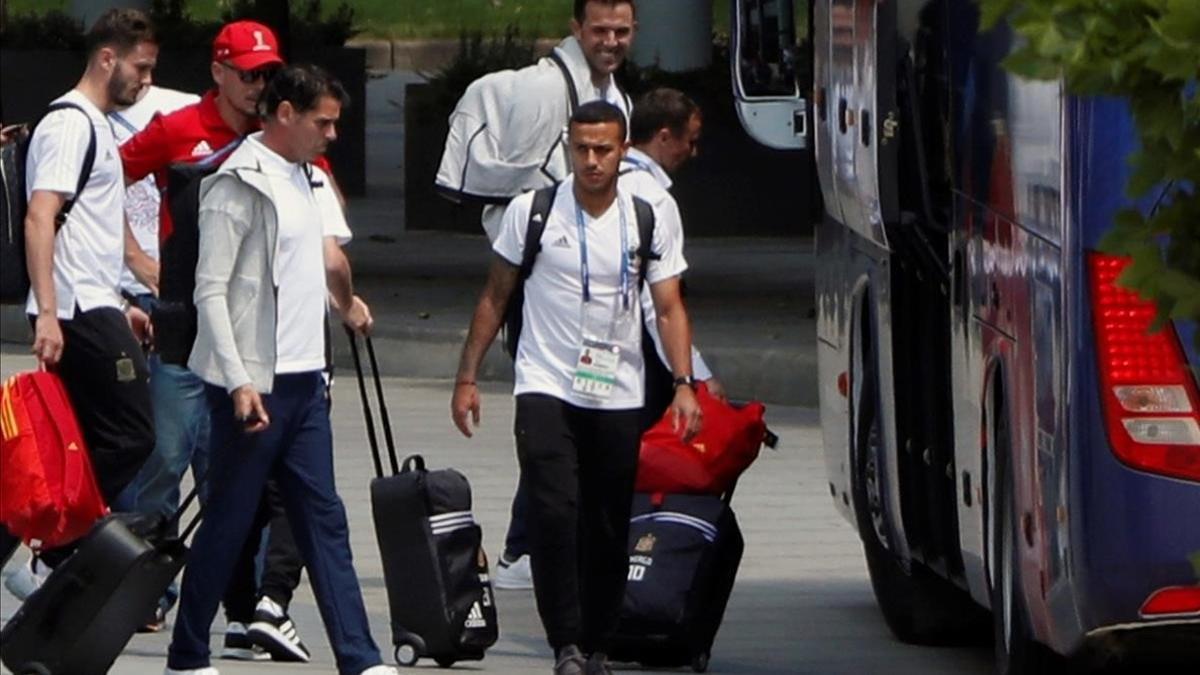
(561, 242)
(201, 149)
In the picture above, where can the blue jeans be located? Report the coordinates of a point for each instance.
(297, 451)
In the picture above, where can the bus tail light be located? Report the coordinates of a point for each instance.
(1151, 405)
(1172, 601)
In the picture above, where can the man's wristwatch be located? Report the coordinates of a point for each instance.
(682, 380)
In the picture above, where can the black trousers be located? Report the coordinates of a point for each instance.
(660, 390)
(107, 379)
(579, 467)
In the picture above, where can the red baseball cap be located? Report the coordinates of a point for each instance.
(246, 45)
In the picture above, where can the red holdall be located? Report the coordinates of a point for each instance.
(48, 492)
(711, 462)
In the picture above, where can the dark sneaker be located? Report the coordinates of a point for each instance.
(598, 665)
(570, 661)
(238, 645)
(274, 632)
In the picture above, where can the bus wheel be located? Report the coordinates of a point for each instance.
(1017, 653)
(918, 606)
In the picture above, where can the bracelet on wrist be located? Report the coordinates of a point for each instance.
(468, 383)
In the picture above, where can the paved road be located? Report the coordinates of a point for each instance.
(802, 603)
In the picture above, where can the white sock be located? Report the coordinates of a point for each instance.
(271, 607)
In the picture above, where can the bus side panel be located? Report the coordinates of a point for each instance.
(836, 277)
(1131, 532)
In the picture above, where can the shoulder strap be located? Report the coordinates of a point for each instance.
(645, 224)
(566, 73)
(539, 213)
(89, 158)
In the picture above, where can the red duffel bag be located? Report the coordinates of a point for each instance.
(711, 462)
(48, 493)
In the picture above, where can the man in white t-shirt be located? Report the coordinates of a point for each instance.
(664, 131)
(579, 377)
(262, 279)
(75, 268)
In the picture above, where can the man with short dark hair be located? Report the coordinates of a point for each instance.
(260, 349)
(579, 380)
(665, 133)
(75, 268)
(512, 125)
(523, 143)
(244, 56)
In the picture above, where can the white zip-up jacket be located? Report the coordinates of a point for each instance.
(506, 133)
(236, 277)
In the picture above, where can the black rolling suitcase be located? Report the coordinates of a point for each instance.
(85, 613)
(439, 594)
(684, 552)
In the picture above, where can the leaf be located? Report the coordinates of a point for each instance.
(992, 12)
(1032, 66)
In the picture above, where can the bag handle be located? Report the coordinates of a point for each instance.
(366, 405)
(414, 463)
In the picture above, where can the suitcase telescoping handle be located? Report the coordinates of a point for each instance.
(366, 404)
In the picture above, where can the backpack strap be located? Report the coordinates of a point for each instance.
(645, 224)
(566, 73)
(89, 158)
(539, 213)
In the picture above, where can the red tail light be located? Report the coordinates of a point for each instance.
(1172, 601)
(1151, 405)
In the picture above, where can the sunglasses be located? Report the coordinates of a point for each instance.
(252, 76)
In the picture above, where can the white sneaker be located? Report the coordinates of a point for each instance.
(192, 671)
(381, 670)
(514, 575)
(27, 578)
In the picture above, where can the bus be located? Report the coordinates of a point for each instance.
(999, 424)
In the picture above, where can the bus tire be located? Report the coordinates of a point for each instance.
(1017, 652)
(918, 606)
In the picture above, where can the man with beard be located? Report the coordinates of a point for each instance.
(245, 55)
(579, 379)
(75, 267)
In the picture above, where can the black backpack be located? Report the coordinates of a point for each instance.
(539, 213)
(175, 314)
(14, 276)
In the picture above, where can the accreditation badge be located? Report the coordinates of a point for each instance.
(596, 369)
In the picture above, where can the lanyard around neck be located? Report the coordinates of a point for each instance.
(584, 274)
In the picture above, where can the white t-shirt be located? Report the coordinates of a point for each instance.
(307, 213)
(552, 330)
(645, 178)
(142, 199)
(89, 248)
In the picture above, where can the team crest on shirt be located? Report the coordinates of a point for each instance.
(202, 149)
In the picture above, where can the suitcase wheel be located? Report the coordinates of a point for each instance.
(700, 662)
(407, 653)
(445, 661)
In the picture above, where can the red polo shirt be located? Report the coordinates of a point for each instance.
(186, 135)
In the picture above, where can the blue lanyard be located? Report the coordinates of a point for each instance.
(584, 275)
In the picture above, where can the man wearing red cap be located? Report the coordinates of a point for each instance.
(245, 55)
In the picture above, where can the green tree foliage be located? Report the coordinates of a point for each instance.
(1146, 52)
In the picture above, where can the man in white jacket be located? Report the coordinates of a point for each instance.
(262, 279)
(506, 134)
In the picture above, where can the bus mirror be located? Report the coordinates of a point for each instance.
(767, 65)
